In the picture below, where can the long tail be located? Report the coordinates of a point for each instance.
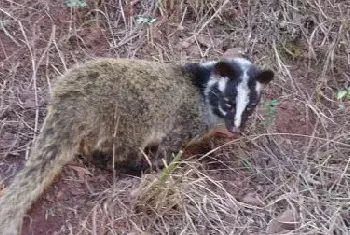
(51, 152)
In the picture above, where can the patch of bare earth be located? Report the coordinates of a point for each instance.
(288, 173)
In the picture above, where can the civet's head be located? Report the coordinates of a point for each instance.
(232, 88)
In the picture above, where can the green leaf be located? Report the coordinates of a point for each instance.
(76, 3)
(274, 102)
(246, 163)
(145, 19)
(342, 94)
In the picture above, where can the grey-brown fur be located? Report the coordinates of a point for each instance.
(137, 102)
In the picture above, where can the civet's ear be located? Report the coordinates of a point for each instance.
(265, 76)
(225, 69)
(191, 68)
(197, 70)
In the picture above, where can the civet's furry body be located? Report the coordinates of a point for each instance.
(126, 105)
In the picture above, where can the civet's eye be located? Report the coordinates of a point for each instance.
(228, 105)
(251, 106)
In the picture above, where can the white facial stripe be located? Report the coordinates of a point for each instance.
(212, 79)
(259, 87)
(222, 84)
(208, 64)
(222, 111)
(211, 82)
(242, 99)
(243, 62)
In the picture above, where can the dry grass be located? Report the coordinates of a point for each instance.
(297, 164)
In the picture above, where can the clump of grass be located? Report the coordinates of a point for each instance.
(344, 95)
(160, 188)
(271, 110)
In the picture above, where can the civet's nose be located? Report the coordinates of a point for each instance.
(235, 130)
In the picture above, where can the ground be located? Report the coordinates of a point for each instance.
(290, 165)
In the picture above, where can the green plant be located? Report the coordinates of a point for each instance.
(50, 212)
(145, 20)
(76, 3)
(3, 23)
(248, 164)
(271, 108)
(344, 94)
(158, 187)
